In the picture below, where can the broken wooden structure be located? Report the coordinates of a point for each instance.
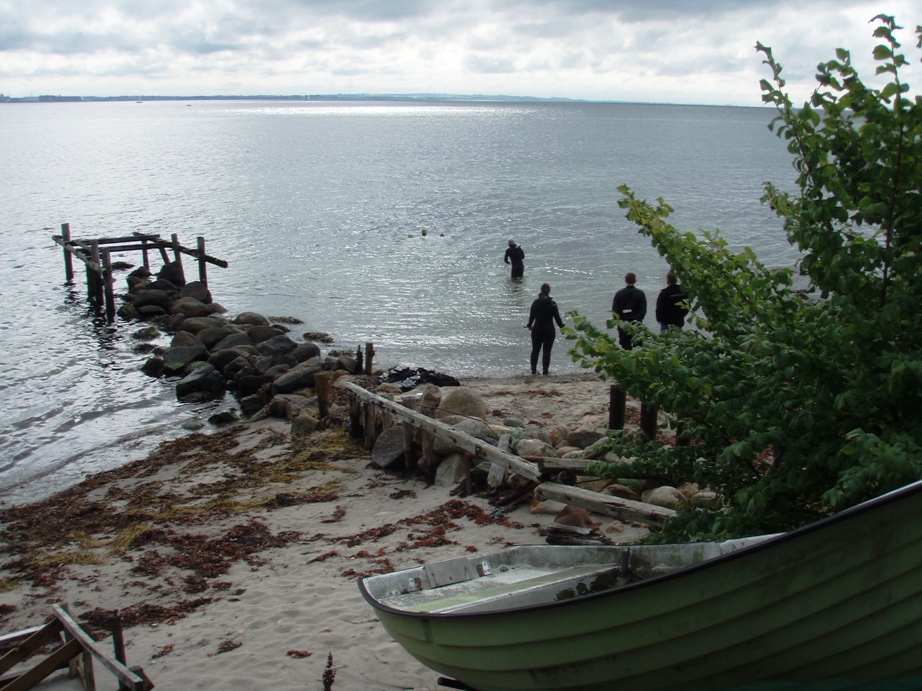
(371, 414)
(75, 650)
(96, 255)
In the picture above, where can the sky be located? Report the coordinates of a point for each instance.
(654, 51)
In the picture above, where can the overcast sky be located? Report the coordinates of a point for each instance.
(661, 51)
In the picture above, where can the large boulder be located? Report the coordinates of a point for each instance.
(460, 400)
(197, 290)
(203, 384)
(305, 351)
(288, 406)
(195, 324)
(665, 496)
(176, 359)
(388, 449)
(451, 470)
(260, 333)
(234, 340)
(190, 307)
(472, 426)
(212, 335)
(299, 377)
(153, 298)
(279, 345)
(172, 272)
(221, 358)
(252, 318)
(185, 339)
(584, 437)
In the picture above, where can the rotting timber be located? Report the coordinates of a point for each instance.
(96, 255)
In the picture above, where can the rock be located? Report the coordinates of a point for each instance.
(227, 417)
(250, 405)
(558, 435)
(287, 406)
(300, 376)
(277, 371)
(172, 272)
(153, 367)
(260, 333)
(339, 382)
(533, 447)
(233, 340)
(175, 359)
(305, 351)
(570, 452)
(197, 290)
(127, 312)
(252, 318)
(153, 298)
(251, 383)
(212, 335)
(665, 496)
(278, 345)
(221, 358)
(346, 362)
(450, 471)
(184, 339)
(577, 517)
(584, 437)
(388, 388)
(548, 506)
(235, 366)
(203, 384)
(460, 400)
(195, 324)
(190, 307)
(472, 426)
(150, 312)
(305, 423)
(616, 490)
(513, 422)
(388, 449)
(429, 400)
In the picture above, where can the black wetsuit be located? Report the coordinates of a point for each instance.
(541, 320)
(630, 305)
(668, 310)
(515, 255)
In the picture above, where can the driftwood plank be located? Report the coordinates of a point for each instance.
(624, 509)
(463, 440)
(53, 662)
(125, 676)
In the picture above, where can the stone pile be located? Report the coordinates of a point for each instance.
(260, 362)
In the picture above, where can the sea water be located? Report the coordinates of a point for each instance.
(381, 222)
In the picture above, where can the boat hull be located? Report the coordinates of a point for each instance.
(834, 605)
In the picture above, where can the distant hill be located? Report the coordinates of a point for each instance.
(302, 97)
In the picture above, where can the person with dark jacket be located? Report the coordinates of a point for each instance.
(541, 320)
(515, 255)
(630, 305)
(669, 309)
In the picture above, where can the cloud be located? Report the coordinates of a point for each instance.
(688, 50)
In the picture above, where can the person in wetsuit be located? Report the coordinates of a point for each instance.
(670, 305)
(630, 305)
(541, 320)
(515, 255)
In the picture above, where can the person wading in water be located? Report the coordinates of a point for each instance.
(541, 320)
(515, 255)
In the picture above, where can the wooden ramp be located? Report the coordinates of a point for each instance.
(75, 650)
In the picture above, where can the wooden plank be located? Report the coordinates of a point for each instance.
(8, 640)
(461, 439)
(125, 675)
(53, 662)
(42, 636)
(624, 509)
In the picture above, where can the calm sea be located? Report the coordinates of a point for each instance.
(319, 208)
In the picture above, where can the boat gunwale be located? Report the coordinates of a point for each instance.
(844, 515)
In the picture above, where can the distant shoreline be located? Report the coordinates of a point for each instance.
(294, 97)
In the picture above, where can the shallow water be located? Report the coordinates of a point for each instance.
(319, 209)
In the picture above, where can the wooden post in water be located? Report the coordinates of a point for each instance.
(369, 355)
(648, 415)
(322, 387)
(107, 286)
(202, 271)
(177, 255)
(94, 279)
(68, 261)
(145, 260)
(410, 457)
(617, 400)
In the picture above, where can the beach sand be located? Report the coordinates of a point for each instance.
(233, 557)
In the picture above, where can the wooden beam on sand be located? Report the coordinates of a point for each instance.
(477, 447)
(625, 509)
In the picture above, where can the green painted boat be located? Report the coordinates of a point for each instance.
(833, 605)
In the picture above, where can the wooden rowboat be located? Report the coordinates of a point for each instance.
(833, 605)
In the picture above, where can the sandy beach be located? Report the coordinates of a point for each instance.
(233, 557)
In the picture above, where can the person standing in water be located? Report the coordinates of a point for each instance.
(515, 255)
(541, 320)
